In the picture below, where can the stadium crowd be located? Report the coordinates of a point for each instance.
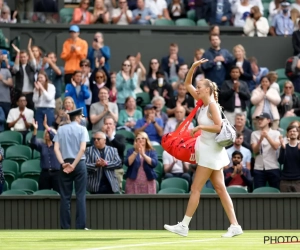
(132, 107)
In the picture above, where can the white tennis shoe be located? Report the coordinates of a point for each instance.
(233, 231)
(178, 229)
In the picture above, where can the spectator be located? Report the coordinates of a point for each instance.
(173, 122)
(256, 24)
(259, 4)
(24, 70)
(200, 9)
(158, 8)
(129, 116)
(151, 125)
(182, 71)
(272, 75)
(78, 91)
(170, 64)
(237, 147)
(142, 15)
(258, 72)
(292, 124)
(274, 9)
(218, 13)
(101, 161)
(289, 158)
(296, 40)
(282, 25)
(159, 103)
(234, 95)
(85, 67)
(290, 103)
(265, 143)
(6, 16)
(20, 118)
(55, 75)
(2, 120)
(49, 164)
(99, 52)
(99, 110)
(101, 13)
(97, 83)
(265, 100)
(74, 50)
(110, 5)
(139, 69)
(2, 179)
(113, 93)
(81, 15)
(295, 18)
(240, 122)
(44, 100)
(37, 54)
(219, 59)
(198, 74)
(141, 161)
(5, 58)
(176, 10)
(122, 15)
(237, 175)
(214, 30)
(296, 5)
(126, 83)
(175, 168)
(240, 10)
(154, 67)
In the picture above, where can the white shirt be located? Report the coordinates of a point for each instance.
(171, 125)
(239, 11)
(47, 98)
(123, 19)
(168, 159)
(157, 7)
(262, 27)
(27, 87)
(15, 113)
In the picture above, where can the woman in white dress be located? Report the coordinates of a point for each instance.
(210, 157)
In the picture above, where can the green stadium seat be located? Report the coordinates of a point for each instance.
(202, 23)
(265, 190)
(159, 150)
(171, 191)
(143, 99)
(36, 154)
(266, 9)
(185, 22)
(127, 146)
(281, 83)
(27, 185)
(46, 192)
(160, 168)
(5, 187)
(236, 190)
(123, 186)
(207, 191)
(281, 74)
(129, 136)
(39, 135)
(10, 166)
(9, 138)
(31, 169)
(66, 15)
(191, 14)
(19, 153)
(9, 177)
(157, 186)
(175, 182)
(285, 121)
(297, 94)
(14, 192)
(164, 22)
(139, 108)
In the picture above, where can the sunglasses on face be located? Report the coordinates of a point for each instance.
(288, 87)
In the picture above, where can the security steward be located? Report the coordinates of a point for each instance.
(70, 144)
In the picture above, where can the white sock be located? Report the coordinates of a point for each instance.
(186, 221)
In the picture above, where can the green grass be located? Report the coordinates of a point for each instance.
(138, 240)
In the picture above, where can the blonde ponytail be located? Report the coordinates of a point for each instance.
(215, 91)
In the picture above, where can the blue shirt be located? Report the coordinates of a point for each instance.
(219, 11)
(69, 137)
(150, 129)
(78, 97)
(283, 25)
(93, 54)
(56, 80)
(145, 12)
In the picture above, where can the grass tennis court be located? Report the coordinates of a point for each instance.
(138, 240)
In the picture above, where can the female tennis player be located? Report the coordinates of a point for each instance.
(210, 157)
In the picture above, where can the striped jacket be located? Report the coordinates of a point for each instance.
(95, 173)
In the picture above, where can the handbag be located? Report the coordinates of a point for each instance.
(227, 135)
(180, 144)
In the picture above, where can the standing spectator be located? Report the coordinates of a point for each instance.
(272, 75)
(240, 126)
(240, 10)
(2, 179)
(44, 100)
(218, 13)
(258, 72)
(2, 120)
(289, 157)
(296, 40)
(141, 161)
(256, 24)
(74, 50)
(6, 15)
(159, 8)
(37, 54)
(282, 25)
(101, 13)
(49, 164)
(139, 69)
(274, 9)
(142, 15)
(113, 93)
(265, 143)
(176, 10)
(159, 103)
(81, 15)
(219, 59)
(86, 75)
(122, 15)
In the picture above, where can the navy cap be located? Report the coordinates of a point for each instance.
(149, 106)
(74, 28)
(76, 112)
(264, 115)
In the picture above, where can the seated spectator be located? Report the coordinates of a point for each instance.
(2, 179)
(44, 100)
(173, 122)
(78, 91)
(101, 162)
(265, 100)
(141, 161)
(258, 72)
(182, 71)
(6, 16)
(122, 15)
(176, 10)
(158, 8)
(151, 125)
(182, 99)
(139, 69)
(290, 103)
(240, 122)
(2, 120)
(274, 9)
(129, 116)
(237, 147)
(154, 67)
(296, 40)
(289, 157)
(20, 118)
(282, 25)
(240, 10)
(234, 95)
(256, 24)
(272, 75)
(218, 13)
(175, 168)
(98, 80)
(142, 15)
(81, 15)
(49, 164)
(99, 110)
(101, 13)
(294, 13)
(159, 103)
(265, 143)
(237, 175)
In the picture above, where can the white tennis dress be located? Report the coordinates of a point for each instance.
(207, 152)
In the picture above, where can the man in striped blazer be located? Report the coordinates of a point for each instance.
(101, 161)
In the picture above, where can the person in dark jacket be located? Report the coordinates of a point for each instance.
(218, 12)
(233, 95)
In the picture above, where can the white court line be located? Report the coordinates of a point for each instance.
(151, 244)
